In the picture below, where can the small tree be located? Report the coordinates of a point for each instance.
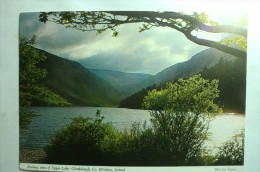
(180, 116)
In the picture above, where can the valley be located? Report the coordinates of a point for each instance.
(82, 86)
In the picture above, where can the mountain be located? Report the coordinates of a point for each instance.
(212, 64)
(200, 61)
(76, 84)
(121, 81)
(130, 83)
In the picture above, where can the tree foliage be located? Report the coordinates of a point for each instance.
(101, 21)
(181, 114)
(29, 73)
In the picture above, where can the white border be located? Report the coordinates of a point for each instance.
(9, 20)
(73, 168)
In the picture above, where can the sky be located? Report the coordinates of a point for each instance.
(147, 52)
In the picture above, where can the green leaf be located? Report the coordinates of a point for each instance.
(115, 34)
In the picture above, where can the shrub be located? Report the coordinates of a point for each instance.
(138, 146)
(79, 142)
(232, 151)
(92, 142)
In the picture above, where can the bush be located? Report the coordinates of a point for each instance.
(139, 146)
(232, 151)
(92, 142)
(79, 142)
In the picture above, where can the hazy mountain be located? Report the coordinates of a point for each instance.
(76, 84)
(200, 61)
(121, 81)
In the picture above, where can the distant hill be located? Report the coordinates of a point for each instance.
(121, 81)
(76, 84)
(212, 64)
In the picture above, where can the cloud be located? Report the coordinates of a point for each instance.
(149, 52)
(29, 24)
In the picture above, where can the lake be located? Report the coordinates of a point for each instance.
(50, 119)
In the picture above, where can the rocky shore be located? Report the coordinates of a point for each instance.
(32, 156)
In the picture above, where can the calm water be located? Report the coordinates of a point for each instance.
(50, 119)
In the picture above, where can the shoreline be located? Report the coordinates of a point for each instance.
(32, 156)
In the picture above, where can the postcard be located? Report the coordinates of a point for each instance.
(126, 90)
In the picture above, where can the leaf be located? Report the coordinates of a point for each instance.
(115, 34)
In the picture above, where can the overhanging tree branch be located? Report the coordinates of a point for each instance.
(218, 46)
(209, 43)
(194, 21)
(109, 20)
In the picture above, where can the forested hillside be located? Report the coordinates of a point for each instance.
(232, 83)
(77, 84)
